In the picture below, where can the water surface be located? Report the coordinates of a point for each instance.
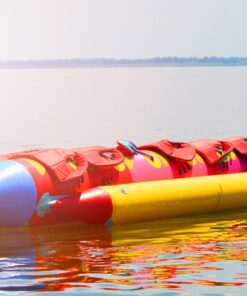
(74, 107)
(204, 255)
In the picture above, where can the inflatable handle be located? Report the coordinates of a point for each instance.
(112, 157)
(107, 154)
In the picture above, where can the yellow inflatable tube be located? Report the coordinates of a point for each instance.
(170, 198)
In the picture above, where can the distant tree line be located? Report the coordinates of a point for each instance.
(183, 61)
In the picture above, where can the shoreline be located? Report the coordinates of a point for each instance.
(89, 65)
(128, 63)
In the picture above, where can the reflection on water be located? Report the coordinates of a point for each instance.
(199, 255)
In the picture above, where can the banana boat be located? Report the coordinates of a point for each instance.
(125, 184)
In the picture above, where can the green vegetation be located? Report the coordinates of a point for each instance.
(158, 61)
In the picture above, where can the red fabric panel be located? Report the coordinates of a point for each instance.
(208, 149)
(239, 143)
(56, 161)
(101, 156)
(176, 150)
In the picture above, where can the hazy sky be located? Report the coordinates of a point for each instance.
(40, 29)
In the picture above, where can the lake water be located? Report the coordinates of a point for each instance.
(204, 255)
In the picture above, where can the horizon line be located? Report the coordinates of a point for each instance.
(175, 61)
(120, 59)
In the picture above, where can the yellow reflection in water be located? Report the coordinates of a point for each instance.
(170, 254)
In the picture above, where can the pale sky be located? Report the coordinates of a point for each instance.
(55, 29)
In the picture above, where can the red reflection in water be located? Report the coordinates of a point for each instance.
(162, 255)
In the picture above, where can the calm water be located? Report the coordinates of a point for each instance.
(203, 255)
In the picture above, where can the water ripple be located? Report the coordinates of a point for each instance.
(199, 255)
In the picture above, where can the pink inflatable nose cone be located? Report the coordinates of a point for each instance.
(17, 194)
